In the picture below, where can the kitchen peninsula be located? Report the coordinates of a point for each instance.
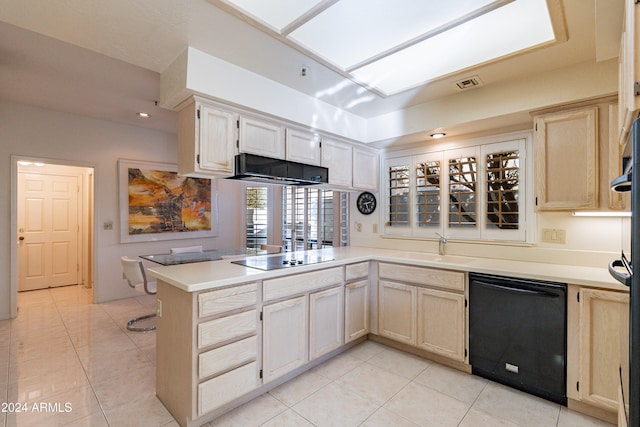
(227, 333)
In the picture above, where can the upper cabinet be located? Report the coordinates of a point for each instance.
(206, 140)
(566, 160)
(303, 146)
(261, 137)
(337, 156)
(629, 70)
(366, 167)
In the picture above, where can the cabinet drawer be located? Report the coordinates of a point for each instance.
(223, 389)
(215, 361)
(301, 283)
(423, 275)
(216, 302)
(355, 271)
(226, 328)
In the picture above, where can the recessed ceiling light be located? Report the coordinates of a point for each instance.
(438, 135)
(143, 115)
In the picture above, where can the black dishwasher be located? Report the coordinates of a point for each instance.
(518, 334)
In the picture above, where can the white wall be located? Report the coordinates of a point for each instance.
(40, 133)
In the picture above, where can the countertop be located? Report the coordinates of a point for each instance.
(216, 274)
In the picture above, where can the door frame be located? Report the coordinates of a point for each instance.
(14, 221)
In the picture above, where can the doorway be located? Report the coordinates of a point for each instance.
(54, 222)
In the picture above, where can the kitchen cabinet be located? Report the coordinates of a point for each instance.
(366, 169)
(207, 353)
(337, 157)
(206, 140)
(629, 70)
(566, 160)
(285, 337)
(597, 324)
(326, 321)
(261, 137)
(423, 307)
(356, 301)
(441, 323)
(302, 146)
(397, 311)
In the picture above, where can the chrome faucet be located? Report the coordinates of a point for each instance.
(441, 243)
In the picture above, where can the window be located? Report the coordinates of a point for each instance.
(257, 216)
(311, 220)
(479, 188)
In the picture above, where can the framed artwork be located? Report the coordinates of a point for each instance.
(158, 204)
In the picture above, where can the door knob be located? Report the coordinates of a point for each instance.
(21, 238)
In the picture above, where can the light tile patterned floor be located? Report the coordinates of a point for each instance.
(78, 360)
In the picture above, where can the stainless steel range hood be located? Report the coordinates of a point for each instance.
(249, 167)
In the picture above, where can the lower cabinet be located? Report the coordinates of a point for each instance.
(285, 337)
(326, 321)
(397, 312)
(356, 310)
(441, 323)
(597, 321)
(223, 389)
(423, 316)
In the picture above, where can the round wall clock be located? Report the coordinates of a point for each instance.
(366, 203)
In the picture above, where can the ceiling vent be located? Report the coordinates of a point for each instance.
(469, 82)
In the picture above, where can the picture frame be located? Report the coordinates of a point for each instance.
(156, 203)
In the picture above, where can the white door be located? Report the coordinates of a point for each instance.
(48, 230)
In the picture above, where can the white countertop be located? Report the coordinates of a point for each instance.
(215, 274)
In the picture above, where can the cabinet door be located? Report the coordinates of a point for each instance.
(285, 337)
(337, 156)
(356, 310)
(629, 69)
(366, 167)
(206, 140)
(566, 160)
(441, 323)
(302, 147)
(603, 320)
(397, 313)
(260, 137)
(326, 321)
(217, 139)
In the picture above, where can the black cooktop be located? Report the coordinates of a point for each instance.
(288, 260)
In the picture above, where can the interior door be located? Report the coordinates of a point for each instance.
(48, 230)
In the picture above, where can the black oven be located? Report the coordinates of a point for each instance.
(622, 270)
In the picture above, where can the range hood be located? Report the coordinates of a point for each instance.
(249, 167)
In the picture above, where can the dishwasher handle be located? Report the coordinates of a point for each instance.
(518, 290)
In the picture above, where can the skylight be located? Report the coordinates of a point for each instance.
(393, 46)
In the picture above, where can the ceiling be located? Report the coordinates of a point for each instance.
(103, 58)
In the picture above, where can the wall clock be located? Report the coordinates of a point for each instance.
(366, 203)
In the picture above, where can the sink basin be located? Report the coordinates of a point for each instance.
(453, 259)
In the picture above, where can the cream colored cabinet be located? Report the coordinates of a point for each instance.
(261, 137)
(566, 160)
(207, 349)
(356, 310)
(302, 146)
(337, 157)
(629, 69)
(397, 311)
(326, 321)
(206, 140)
(597, 321)
(285, 337)
(441, 323)
(424, 307)
(366, 169)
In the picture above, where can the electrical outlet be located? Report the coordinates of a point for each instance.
(159, 307)
(358, 227)
(374, 229)
(554, 235)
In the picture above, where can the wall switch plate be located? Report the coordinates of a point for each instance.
(554, 235)
(107, 225)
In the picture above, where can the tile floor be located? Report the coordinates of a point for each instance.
(68, 362)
